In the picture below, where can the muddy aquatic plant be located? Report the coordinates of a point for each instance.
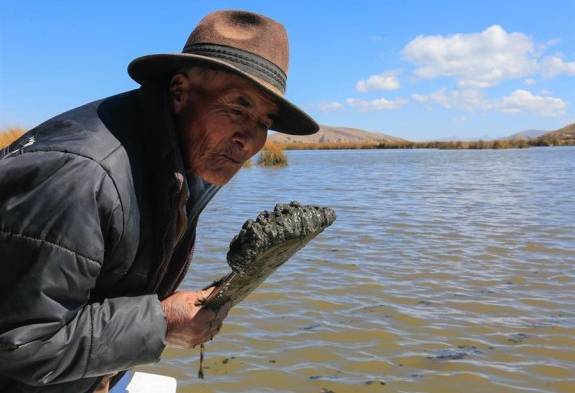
(262, 246)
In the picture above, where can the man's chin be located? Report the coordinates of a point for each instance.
(218, 178)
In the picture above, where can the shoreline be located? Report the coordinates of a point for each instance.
(448, 145)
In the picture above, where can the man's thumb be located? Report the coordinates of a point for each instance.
(204, 293)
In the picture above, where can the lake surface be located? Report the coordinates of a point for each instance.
(446, 271)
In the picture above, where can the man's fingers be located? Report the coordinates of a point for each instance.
(212, 332)
(225, 309)
(204, 315)
(202, 295)
(207, 291)
(222, 312)
(209, 321)
(189, 322)
(209, 334)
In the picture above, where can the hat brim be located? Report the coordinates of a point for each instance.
(290, 119)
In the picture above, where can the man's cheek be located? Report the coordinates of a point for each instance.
(260, 143)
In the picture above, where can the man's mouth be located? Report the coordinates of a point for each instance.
(236, 160)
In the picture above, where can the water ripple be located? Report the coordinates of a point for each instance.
(445, 271)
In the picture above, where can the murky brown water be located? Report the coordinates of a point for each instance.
(446, 271)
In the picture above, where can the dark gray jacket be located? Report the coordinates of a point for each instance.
(95, 229)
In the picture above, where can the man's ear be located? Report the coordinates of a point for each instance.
(179, 89)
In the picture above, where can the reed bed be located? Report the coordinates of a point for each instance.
(445, 145)
(272, 155)
(9, 135)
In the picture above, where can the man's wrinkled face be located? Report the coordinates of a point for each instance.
(222, 119)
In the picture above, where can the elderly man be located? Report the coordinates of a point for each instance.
(99, 205)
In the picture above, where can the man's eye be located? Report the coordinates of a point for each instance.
(244, 102)
(235, 111)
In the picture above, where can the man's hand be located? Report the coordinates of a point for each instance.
(189, 324)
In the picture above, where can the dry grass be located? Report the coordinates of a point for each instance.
(9, 135)
(272, 155)
(326, 145)
(495, 144)
(247, 163)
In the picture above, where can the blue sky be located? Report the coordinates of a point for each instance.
(414, 69)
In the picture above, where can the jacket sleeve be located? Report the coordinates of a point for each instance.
(59, 215)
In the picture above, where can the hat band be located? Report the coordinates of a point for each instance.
(245, 61)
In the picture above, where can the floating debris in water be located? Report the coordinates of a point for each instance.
(461, 352)
(375, 382)
(518, 338)
(449, 354)
(332, 376)
(311, 327)
(227, 360)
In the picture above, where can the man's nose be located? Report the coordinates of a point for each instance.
(244, 135)
(239, 140)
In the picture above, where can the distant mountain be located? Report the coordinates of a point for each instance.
(329, 134)
(527, 134)
(565, 135)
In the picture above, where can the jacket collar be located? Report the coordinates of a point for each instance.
(161, 139)
(169, 186)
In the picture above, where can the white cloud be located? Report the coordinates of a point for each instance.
(377, 104)
(467, 99)
(477, 60)
(555, 65)
(329, 106)
(518, 101)
(384, 81)
(525, 101)
(529, 81)
(553, 42)
(481, 60)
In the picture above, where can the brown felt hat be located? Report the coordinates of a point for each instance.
(251, 45)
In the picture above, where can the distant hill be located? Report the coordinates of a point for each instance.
(564, 136)
(527, 134)
(329, 134)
